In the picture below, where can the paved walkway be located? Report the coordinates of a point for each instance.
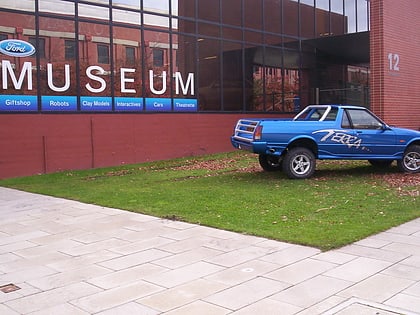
(72, 258)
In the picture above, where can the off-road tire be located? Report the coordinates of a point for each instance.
(270, 163)
(410, 162)
(299, 163)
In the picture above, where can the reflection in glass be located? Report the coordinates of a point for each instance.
(233, 83)
(158, 72)
(26, 5)
(56, 6)
(159, 6)
(92, 36)
(91, 11)
(184, 62)
(209, 80)
(60, 77)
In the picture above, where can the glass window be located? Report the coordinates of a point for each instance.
(273, 13)
(208, 29)
(94, 11)
(69, 49)
(350, 12)
(231, 11)
(27, 5)
(3, 36)
(130, 55)
(126, 16)
(132, 4)
(233, 83)
(158, 57)
(363, 16)
(362, 119)
(253, 14)
(59, 82)
(209, 11)
(338, 22)
(103, 53)
(184, 54)
(56, 6)
(209, 80)
(291, 13)
(40, 48)
(158, 6)
(186, 8)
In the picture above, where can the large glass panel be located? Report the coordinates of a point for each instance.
(338, 21)
(93, 11)
(158, 72)
(209, 10)
(58, 69)
(273, 16)
(25, 5)
(363, 16)
(209, 80)
(184, 26)
(126, 16)
(291, 13)
(131, 4)
(56, 6)
(18, 82)
(157, 6)
(128, 76)
(156, 20)
(186, 8)
(184, 58)
(233, 83)
(232, 12)
(253, 14)
(208, 29)
(95, 73)
(308, 28)
(350, 12)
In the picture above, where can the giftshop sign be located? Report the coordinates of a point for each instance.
(21, 80)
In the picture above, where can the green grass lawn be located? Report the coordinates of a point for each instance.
(342, 203)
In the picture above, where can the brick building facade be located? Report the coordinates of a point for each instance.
(273, 68)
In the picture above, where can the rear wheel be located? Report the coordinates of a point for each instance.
(270, 163)
(410, 163)
(299, 163)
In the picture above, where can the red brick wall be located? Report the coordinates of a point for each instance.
(45, 143)
(395, 93)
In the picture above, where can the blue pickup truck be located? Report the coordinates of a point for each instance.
(327, 132)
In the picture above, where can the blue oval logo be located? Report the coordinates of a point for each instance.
(16, 48)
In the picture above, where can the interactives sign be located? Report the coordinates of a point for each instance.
(62, 103)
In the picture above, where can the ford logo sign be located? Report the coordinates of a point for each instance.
(16, 48)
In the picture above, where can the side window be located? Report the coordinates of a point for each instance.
(345, 123)
(362, 119)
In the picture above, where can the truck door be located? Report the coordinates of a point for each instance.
(372, 136)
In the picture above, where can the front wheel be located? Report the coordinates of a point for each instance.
(269, 163)
(299, 163)
(410, 163)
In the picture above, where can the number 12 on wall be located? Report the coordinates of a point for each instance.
(394, 61)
